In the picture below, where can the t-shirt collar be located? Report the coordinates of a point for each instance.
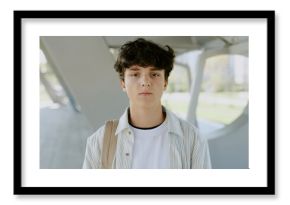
(173, 122)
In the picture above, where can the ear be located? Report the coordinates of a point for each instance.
(122, 84)
(165, 85)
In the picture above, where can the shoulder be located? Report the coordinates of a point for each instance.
(188, 129)
(96, 138)
(188, 125)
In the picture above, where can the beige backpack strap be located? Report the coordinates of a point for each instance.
(109, 144)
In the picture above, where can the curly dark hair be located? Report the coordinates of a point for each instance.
(144, 53)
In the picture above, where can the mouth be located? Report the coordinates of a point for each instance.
(145, 93)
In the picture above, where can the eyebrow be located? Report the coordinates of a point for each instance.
(156, 69)
(137, 69)
(134, 68)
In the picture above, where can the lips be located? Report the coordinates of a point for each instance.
(145, 93)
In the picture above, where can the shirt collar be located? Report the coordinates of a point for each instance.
(173, 122)
(123, 122)
(174, 125)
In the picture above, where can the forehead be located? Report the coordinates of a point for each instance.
(137, 67)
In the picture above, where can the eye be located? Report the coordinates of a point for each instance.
(155, 74)
(134, 74)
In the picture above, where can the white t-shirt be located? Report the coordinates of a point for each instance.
(151, 147)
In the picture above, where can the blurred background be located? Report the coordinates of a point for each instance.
(79, 91)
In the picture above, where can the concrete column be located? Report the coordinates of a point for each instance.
(84, 66)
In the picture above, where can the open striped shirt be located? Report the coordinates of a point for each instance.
(187, 149)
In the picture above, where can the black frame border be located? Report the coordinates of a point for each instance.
(269, 15)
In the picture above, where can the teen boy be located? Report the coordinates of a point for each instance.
(147, 135)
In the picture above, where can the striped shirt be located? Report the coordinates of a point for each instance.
(187, 149)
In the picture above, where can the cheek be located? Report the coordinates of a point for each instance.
(161, 83)
(129, 86)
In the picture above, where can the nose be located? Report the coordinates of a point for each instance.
(145, 81)
(145, 84)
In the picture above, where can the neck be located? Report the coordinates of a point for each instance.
(146, 117)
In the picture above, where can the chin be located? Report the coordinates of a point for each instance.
(149, 103)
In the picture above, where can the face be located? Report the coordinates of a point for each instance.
(144, 85)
